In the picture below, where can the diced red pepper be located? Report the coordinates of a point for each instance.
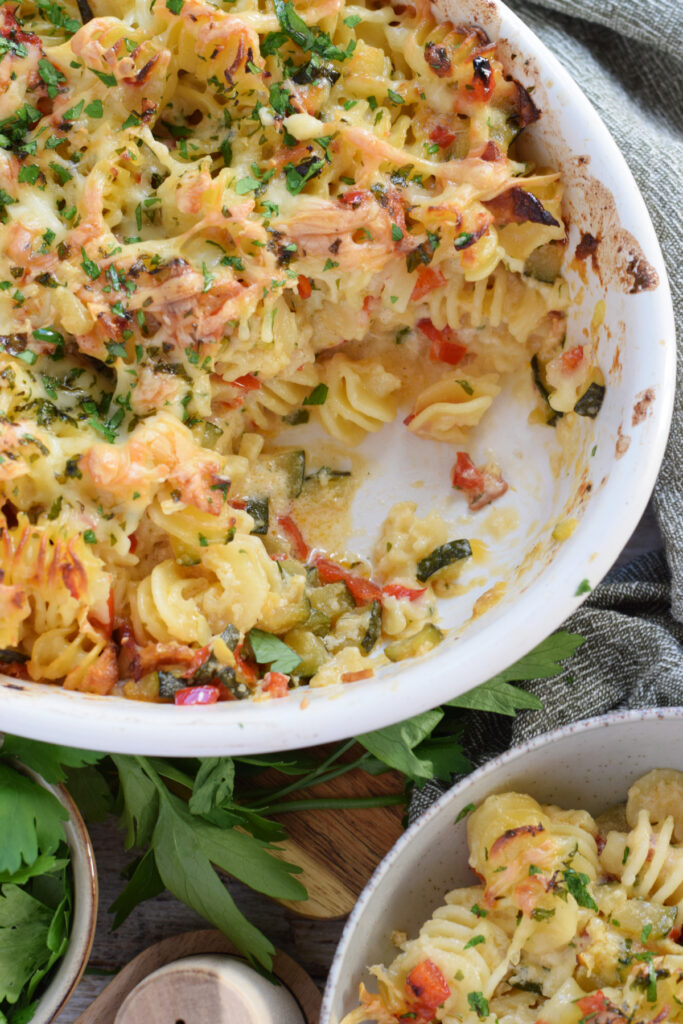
(248, 382)
(466, 476)
(354, 197)
(445, 347)
(294, 536)
(304, 286)
(133, 538)
(482, 79)
(276, 684)
(427, 986)
(572, 358)
(197, 695)
(362, 590)
(482, 486)
(110, 608)
(399, 591)
(353, 677)
(428, 278)
(198, 660)
(442, 136)
(245, 668)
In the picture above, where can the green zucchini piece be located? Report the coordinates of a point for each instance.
(289, 617)
(442, 556)
(169, 684)
(637, 915)
(310, 649)
(318, 623)
(258, 509)
(374, 627)
(428, 637)
(7, 656)
(294, 419)
(326, 473)
(211, 434)
(294, 466)
(552, 415)
(545, 263)
(332, 599)
(230, 636)
(591, 401)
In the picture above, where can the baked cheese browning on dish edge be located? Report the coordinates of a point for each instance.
(220, 221)
(573, 921)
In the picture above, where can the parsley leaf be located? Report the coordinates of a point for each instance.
(479, 1004)
(318, 395)
(311, 41)
(24, 927)
(269, 650)
(104, 77)
(30, 820)
(577, 884)
(395, 745)
(45, 758)
(95, 109)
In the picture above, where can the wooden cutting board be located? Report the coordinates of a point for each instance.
(339, 849)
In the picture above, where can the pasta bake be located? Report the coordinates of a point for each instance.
(572, 921)
(220, 222)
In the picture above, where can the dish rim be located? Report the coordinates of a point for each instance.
(612, 718)
(251, 727)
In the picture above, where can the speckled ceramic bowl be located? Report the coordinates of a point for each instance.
(71, 966)
(533, 579)
(589, 765)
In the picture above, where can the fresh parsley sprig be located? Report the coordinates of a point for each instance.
(190, 819)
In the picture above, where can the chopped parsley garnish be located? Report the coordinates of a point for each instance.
(311, 40)
(28, 174)
(396, 233)
(89, 537)
(51, 75)
(89, 266)
(395, 97)
(476, 940)
(330, 264)
(479, 1004)
(245, 185)
(478, 911)
(104, 77)
(463, 240)
(577, 885)
(318, 395)
(299, 175)
(175, 6)
(95, 109)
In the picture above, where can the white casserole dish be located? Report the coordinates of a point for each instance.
(604, 485)
(588, 765)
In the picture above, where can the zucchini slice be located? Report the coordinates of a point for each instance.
(310, 649)
(428, 638)
(545, 263)
(591, 401)
(293, 464)
(551, 415)
(258, 509)
(442, 556)
(374, 627)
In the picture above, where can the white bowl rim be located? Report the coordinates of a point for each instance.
(613, 718)
(247, 727)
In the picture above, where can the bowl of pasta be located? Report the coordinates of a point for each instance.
(336, 364)
(545, 887)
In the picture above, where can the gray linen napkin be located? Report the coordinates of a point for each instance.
(626, 55)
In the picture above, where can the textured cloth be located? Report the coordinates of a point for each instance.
(626, 55)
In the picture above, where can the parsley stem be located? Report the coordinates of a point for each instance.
(338, 804)
(311, 777)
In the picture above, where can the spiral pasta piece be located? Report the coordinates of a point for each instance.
(447, 411)
(361, 398)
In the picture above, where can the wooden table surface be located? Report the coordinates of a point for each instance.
(311, 943)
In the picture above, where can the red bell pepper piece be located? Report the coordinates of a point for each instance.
(294, 536)
(304, 286)
(399, 591)
(196, 695)
(428, 278)
(276, 684)
(445, 347)
(442, 136)
(362, 590)
(248, 382)
(427, 987)
(572, 358)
